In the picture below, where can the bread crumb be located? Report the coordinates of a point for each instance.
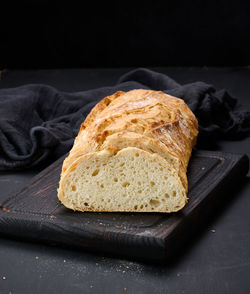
(4, 278)
(37, 257)
(128, 185)
(213, 231)
(125, 289)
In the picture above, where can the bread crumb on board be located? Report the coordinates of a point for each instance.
(213, 231)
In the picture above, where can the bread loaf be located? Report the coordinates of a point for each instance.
(131, 154)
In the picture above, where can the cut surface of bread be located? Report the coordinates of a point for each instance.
(128, 180)
(160, 128)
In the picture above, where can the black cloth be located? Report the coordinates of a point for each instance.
(39, 123)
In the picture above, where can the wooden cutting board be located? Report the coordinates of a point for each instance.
(35, 213)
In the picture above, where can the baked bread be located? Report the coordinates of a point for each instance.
(131, 154)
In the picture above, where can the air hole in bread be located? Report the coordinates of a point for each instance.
(166, 195)
(122, 164)
(174, 193)
(87, 167)
(154, 203)
(86, 204)
(152, 184)
(73, 188)
(135, 207)
(126, 184)
(96, 172)
(140, 191)
(139, 183)
(101, 186)
(137, 154)
(134, 120)
(141, 206)
(115, 180)
(165, 177)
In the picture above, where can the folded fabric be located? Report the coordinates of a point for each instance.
(38, 123)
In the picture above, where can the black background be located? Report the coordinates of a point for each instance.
(56, 34)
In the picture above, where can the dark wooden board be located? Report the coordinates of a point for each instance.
(35, 213)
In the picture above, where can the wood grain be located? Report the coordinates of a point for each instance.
(35, 213)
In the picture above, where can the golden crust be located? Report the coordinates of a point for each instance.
(146, 119)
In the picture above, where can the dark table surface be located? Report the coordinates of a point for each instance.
(216, 260)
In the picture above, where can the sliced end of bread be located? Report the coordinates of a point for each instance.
(128, 180)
